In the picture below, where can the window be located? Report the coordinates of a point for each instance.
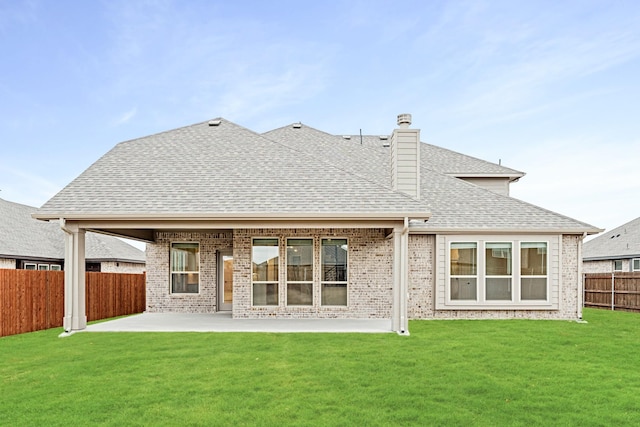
(617, 265)
(29, 266)
(43, 267)
(636, 264)
(497, 273)
(56, 267)
(185, 268)
(533, 271)
(299, 271)
(464, 271)
(333, 261)
(265, 260)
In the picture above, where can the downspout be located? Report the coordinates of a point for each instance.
(404, 294)
(68, 292)
(580, 276)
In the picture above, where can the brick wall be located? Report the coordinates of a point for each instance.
(604, 266)
(370, 275)
(159, 297)
(422, 285)
(121, 267)
(7, 263)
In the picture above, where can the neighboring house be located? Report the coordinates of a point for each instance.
(26, 243)
(297, 223)
(615, 250)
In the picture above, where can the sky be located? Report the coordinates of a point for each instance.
(549, 88)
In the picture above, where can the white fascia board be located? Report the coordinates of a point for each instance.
(286, 216)
(556, 231)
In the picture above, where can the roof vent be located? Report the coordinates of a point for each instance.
(297, 125)
(404, 120)
(215, 122)
(346, 136)
(383, 137)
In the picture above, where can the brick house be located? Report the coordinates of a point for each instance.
(298, 223)
(28, 244)
(617, 250)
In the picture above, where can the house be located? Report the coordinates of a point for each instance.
(617, 250)
(298, 223)
(26, 243)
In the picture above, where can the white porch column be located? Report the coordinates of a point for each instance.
(399, 320)
(75, 314)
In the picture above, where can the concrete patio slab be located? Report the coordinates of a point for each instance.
(222, 322)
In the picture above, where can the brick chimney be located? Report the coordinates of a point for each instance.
(405, 158)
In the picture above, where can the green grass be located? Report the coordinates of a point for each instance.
(513, 372)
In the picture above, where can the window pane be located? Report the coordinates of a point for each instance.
(533, 259)
(498, 289)
(463, 288)
(334, 260)
(300, 260)
(265, 260)
(29, 266)
(334, 294)
(184, 256)
(464, 259)
(636, 264)
(43, 267)
(617, 265)
(182, 283)
(533, 288)
(498, 259)
(265, 294)
(299, 293)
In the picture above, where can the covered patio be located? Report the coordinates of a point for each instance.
(222, 322)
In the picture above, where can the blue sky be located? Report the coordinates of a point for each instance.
(549, 88)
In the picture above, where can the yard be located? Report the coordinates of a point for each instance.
(514, 372)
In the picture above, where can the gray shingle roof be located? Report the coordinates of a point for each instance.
(24, 237)
(204, 170)
(621, 242)
(227, 169)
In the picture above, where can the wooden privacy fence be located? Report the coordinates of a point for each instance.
(614, 291)
(34, 300)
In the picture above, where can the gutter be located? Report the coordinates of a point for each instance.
(404, 271)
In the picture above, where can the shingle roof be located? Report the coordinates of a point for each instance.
(621, 242)
(226, 169)
(200, 170)
(454, 203)
(24, 237)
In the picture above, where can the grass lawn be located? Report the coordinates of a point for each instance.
(514, 372)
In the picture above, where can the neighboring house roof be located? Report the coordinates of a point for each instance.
(229, 171)
(21, 236)
(621, 242)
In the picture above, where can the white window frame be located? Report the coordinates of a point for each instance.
(56, 267)
(443, 288)
(171, 271)
(294, 282)
(277, 281)
(533, 276)
(43, 267)
(323, 282)
(633, 264)
(486, 276)
(464, 276)
(30, 264)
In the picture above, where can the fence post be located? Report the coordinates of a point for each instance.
(613, 290)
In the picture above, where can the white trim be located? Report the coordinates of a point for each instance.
(303, 282)
(633, 264)
(267, 282)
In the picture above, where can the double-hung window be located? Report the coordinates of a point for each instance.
(185, 268)
(498, 271)
(464, 271)
(299, 271)
(617, 265)
(636, 264)
(265, 260)
(333, 259)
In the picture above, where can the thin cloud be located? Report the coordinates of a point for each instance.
(126, 117)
